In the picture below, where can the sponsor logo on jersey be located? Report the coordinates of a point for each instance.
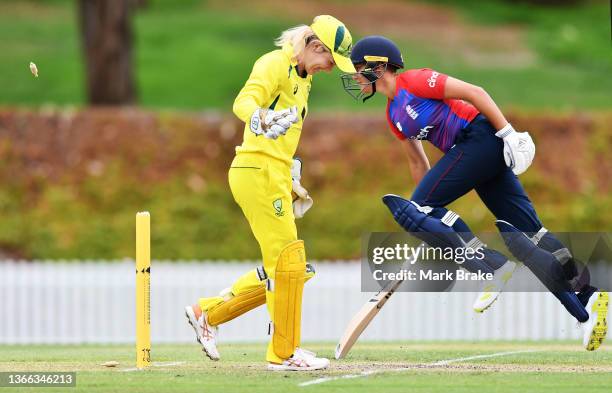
(411, 112)
(433, 79)
(423, 132)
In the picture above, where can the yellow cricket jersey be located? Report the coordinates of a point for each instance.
(275, 84)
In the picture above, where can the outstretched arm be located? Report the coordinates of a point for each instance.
(478, 97)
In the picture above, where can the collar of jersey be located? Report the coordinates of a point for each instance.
(288, 51)
(397, 87)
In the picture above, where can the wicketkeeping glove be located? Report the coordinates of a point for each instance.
(271, 123)
(519, 149)
(303, 201)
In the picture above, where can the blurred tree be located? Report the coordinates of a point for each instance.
(106, 30)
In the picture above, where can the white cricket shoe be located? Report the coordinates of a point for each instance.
(206, 334)
(301, 360)
(596, 327)
(307, 352)
(491, 291)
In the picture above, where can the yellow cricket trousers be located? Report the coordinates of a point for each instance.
(261, 186)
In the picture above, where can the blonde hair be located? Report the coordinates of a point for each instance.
(296, 36)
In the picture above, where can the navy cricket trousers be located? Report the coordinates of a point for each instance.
(476, 162)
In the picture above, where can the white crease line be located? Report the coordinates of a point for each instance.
(167, 364)
(156, 364)
(493, 355)
(389, 370)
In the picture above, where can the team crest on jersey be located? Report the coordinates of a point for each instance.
(278, 207)
(411, 112)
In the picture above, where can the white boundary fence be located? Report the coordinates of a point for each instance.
(94, 302)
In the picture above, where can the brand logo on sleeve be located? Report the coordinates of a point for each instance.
(411, 112)
(432, 80)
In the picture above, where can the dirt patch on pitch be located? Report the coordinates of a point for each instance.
(438, 27)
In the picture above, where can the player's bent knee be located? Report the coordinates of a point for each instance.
(540, 261)
(247, 293)
(440, 227)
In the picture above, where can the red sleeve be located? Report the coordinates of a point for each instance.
(394, 129)
(425, 83)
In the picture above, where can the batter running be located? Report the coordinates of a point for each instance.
(482, 152)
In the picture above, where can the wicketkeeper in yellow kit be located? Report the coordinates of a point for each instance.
(273, 104)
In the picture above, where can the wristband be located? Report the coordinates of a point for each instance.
(504, 132)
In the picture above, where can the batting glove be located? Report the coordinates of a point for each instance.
(519, 149)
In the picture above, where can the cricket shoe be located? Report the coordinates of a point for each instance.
(206, 334)
(307, 352)
(301, 360)
(491, 291)
(596, 327)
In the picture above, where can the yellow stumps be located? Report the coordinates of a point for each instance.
(143, 289)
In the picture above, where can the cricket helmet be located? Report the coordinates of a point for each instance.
(376, 52)
(378, 49)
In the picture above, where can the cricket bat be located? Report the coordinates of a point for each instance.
(363, 318)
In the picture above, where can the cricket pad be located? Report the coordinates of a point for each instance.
(288, 287)
(244, 296)
(237, 305)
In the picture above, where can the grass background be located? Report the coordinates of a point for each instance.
(192, 57)
(555, 367)
(196, 55)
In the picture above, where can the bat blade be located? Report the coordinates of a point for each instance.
(362, 319)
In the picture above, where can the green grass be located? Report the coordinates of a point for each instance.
(550, 367)
(574, 35)
(572, 48)
(194, 55)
